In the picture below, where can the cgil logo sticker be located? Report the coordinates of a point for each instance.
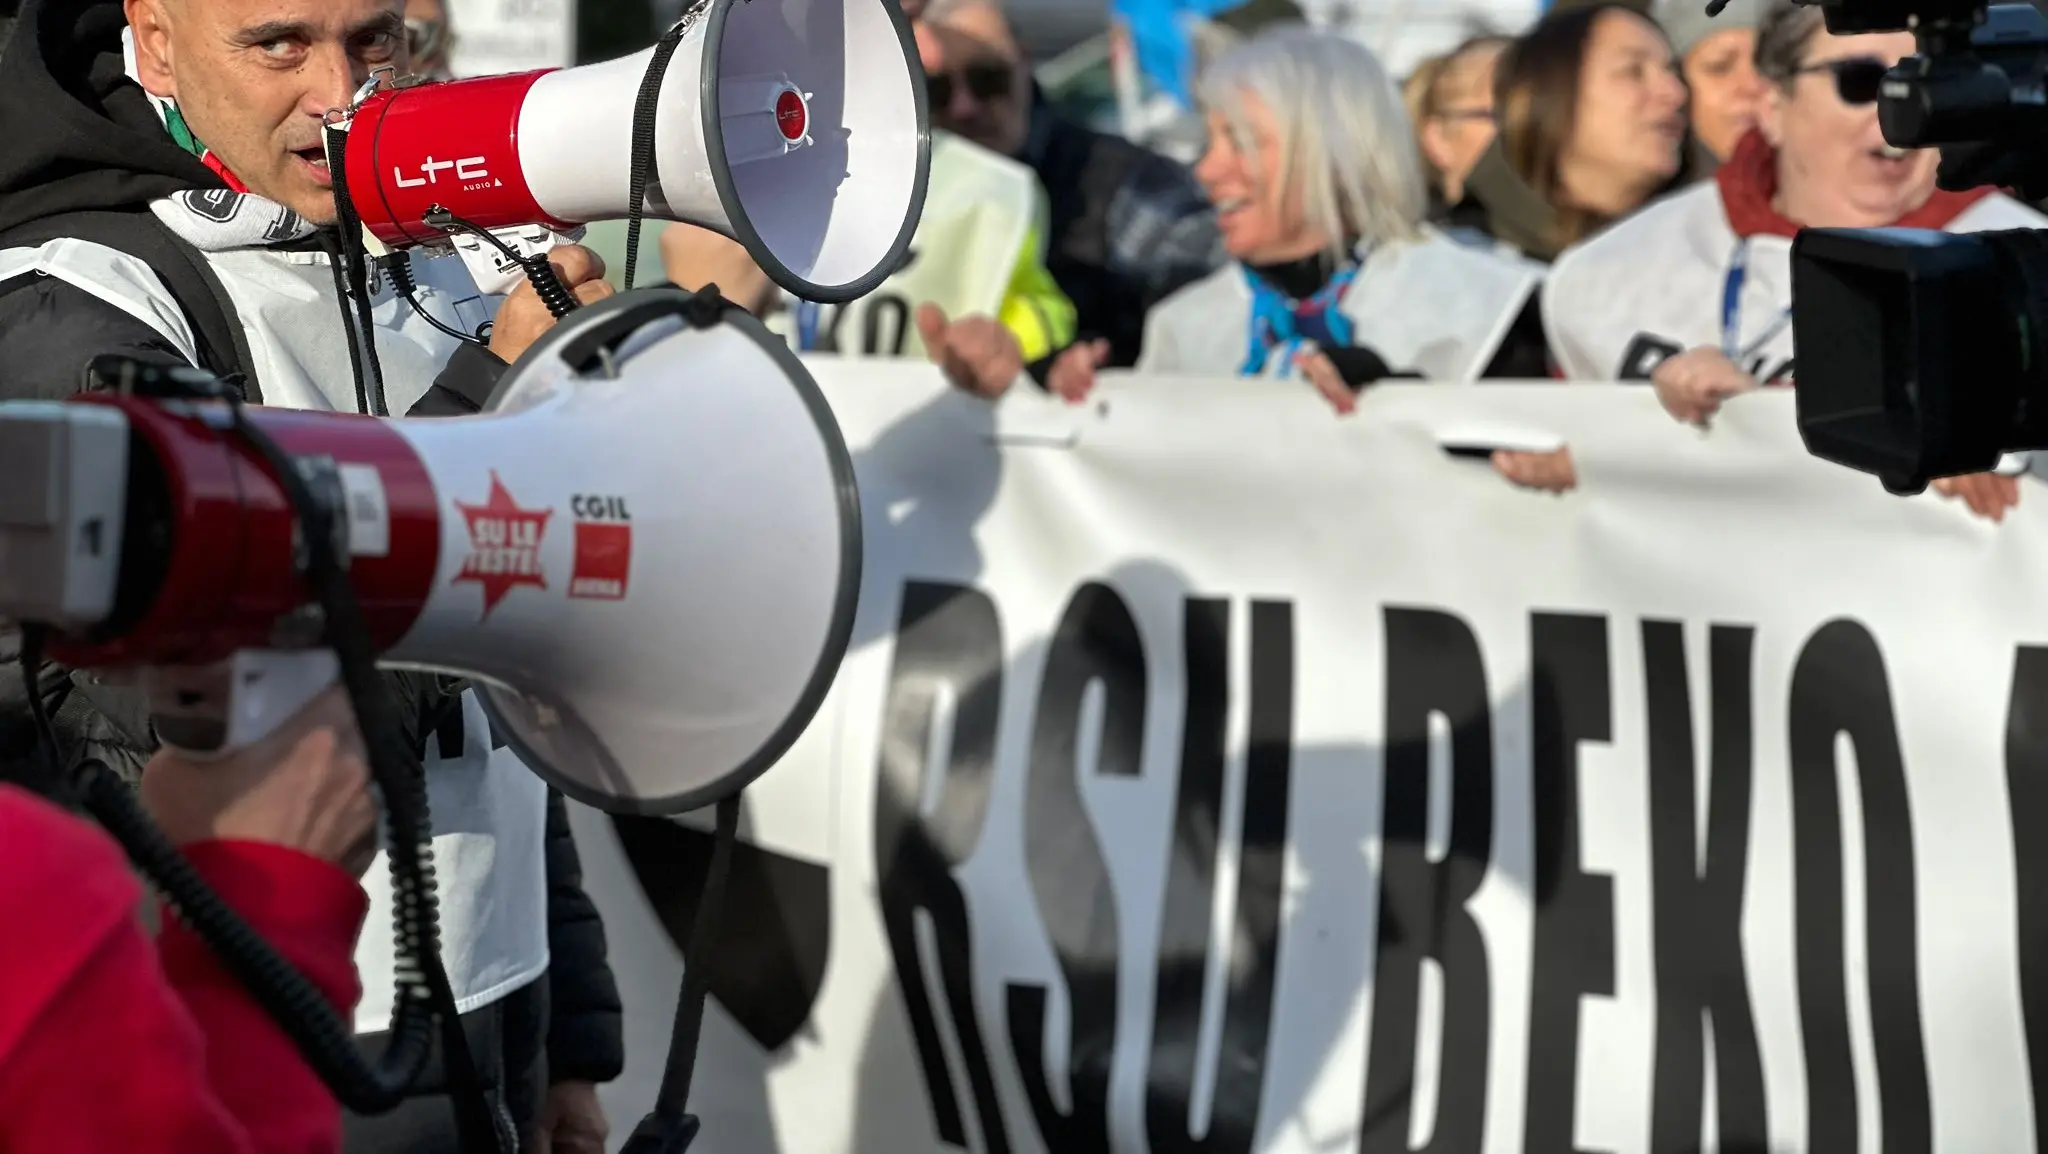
(504, 545)
(604, 548)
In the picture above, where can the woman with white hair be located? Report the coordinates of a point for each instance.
(1320, 198)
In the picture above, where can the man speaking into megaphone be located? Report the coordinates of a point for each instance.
(163, 194)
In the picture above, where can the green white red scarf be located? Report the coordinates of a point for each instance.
(174, 123)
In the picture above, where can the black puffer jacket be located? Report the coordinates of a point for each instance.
(1129, 227)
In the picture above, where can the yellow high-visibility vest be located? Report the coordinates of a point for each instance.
(978, 249)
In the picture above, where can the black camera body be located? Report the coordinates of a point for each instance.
(1925, 354)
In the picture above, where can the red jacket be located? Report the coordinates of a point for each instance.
(111, 1043)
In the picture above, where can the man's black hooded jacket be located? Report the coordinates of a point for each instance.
(79, 135)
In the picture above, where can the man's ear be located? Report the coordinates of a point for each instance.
(150, 21)
(1770, 115)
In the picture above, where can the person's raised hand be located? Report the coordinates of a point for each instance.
(1988, 495)
(694, 257)
(1693, 384)
(523, 318)
(1072, 376)
(1321, 373)
(975, 352)
(1552, 472)
(305, 786)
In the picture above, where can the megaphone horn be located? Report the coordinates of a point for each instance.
(654, 606)
(797, 127)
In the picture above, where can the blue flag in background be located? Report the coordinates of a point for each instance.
(1161, 41)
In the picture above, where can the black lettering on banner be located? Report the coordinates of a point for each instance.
(2026, 783)
(876, 339)
(1097, 643)
(1698, 905)
(1433, 665)
(1573, 951)
(948, 636)
(872, 338)
(1186, 923)
(1839, 687)
(1643, 355)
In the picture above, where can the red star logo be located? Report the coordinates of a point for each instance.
(504, 545)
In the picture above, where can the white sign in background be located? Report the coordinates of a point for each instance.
(1417, 965)
(497, 36)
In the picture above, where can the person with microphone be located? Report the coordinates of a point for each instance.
(165, 194)
(112, 1044)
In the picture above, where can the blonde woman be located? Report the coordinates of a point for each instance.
(1335, 276)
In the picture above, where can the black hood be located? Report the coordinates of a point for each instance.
(75, 132)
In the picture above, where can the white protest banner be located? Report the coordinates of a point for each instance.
(497, 36)
(1215, 774)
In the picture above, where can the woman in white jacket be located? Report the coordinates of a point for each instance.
(1334, 276)
(1694, 293)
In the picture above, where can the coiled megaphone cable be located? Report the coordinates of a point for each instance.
(300, 1010)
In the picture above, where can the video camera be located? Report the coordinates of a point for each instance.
(1925, 354)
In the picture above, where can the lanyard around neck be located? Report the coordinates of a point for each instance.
(1731, 311)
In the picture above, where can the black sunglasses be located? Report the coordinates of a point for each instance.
(1856, 79)
(985, 82)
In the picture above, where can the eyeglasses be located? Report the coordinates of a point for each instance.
(428, 40)
(985, 82)
(1857, 78)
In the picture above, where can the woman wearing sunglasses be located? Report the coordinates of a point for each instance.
(1695, 292)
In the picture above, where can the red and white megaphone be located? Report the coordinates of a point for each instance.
(647, 552)
(797, 127)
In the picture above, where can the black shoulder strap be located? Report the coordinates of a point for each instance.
(223, 347)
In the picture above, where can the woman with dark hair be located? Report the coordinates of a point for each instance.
(1592, 126)
(1717, 55)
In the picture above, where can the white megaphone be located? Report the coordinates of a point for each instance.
(647, 551)
(797, 127)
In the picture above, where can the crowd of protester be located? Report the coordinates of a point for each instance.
(1609, 195)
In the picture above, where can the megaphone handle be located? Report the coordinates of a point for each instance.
(208, 712)
(538, 269)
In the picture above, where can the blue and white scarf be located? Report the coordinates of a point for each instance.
(1281, 321)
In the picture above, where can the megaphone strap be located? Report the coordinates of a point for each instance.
(646, 167)
(668, 1129)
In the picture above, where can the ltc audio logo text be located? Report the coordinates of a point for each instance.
(469, 169)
